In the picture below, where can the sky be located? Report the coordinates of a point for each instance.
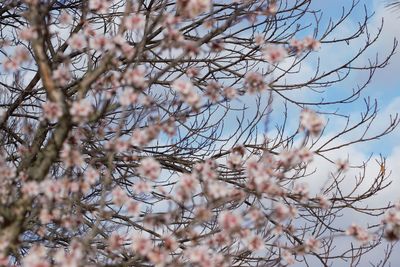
(385, 88)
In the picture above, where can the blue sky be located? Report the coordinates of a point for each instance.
(385, 87)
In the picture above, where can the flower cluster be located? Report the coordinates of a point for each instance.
(307, 43)
(187, 92)
(192, 8)
(311, 122)
(254, 82)
(391, 223)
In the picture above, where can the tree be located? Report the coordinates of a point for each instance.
(140, 134)
(394, 4)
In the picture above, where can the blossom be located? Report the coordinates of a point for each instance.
(193, 8)
(141, 244)
(186, 91)
(91, 176)
(287, 258)
(128, 97)
(158, 257)
(135, 22)
(342, 165)
(100, 6)
(302, 191)
(311, 122)
(51, 111)
(274, 54)
(311, 245)
(255, 243)
(135, 77)
(282, 212)
(359, 233)
(170, 243)
(182, 86)
(149, 168)
(65, 18)
(188, 182)
(391, 224)
(21, 55)
(28, 34)
(62, 75)
(229, 221)
(254, 82)
(323, 202)
(139, 138)
(142, 187)
(311, 43)
(101, 43)
(80, 110)
(119, 196)
(197, 254)
(133, 208)
(115, 241)
(229, 92)
(77, 41)
(71, 156)
(36, 257)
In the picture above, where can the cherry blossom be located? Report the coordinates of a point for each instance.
(359, 233)
(128, 97)
(80, 110)
(311, 122)
(62, 75)
(135, 22)
(274, 54)
(149, 168)
(193, 8)
(229, 221)
(77, 41)
(100, 6)
(254, 82)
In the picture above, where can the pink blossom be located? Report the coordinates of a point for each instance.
(100, 6)
(91, 176)
(311, 122)
(133, 208)
(312, 245)
(71, 156)
(182, 86)
(65, 18)
(135, 77)
(311, 43)
(139, 138)
(142, 187)
(255, 243)
(135, 22)
(101, 43)
(62, 75)
(28, 34)
(230, 92)
(149, 168)
(128, 97)
(254, 82)
(141, 244)
(229, 221)
(119, 196)
(359, 233)
(80, 110)
(30, 188)
(287, 257)
(282, 212)
(77, 41)
(193, 8)
(115, 241)
(274, 54)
